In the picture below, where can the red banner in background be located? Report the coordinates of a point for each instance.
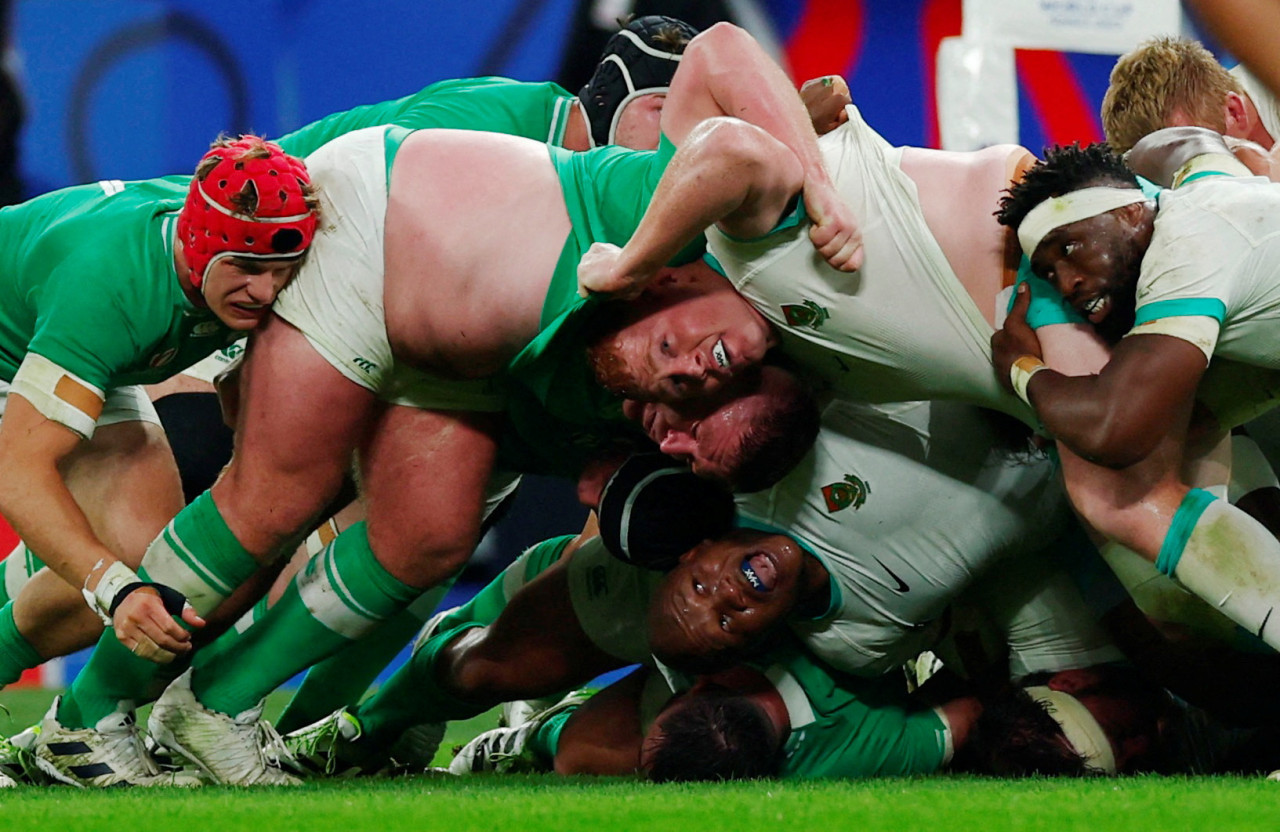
(1066, 114)
(827, 40)
(8, 538)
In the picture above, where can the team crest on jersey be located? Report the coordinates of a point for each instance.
(807, 314)
(162, 358)
(206, 328)
(851, 493)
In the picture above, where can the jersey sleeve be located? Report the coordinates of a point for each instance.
(82, 328)
(1186, 285)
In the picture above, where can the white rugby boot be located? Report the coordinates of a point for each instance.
(109, 754)
(241, 750)
(504, 750)
(498, 750)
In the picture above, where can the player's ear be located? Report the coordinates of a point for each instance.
(1236, 115)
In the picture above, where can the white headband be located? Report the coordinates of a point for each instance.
(1078, 725)
(1057, 211)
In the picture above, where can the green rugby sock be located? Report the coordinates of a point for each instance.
(340, 596)
(342, 679)
(113, 675)
(488, 603)
(198, 555)
(546, 740)
(16, 653)
(412, 695)
(17, 569)
(1227, 558)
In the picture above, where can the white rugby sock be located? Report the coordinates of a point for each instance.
(1227, 558)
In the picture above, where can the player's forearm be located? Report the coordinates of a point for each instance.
(1092, 419)
(36, 502)
(739, 79)
(727, 172)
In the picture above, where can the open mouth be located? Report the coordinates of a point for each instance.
(720, 354)
(760, 571)
(1096, 309)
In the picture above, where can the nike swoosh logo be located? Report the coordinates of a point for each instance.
(902, 585)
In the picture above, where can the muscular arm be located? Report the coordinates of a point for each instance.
(727, 172)
(1248, 28)
(36, 501)
(724, 72)
(1117, 417)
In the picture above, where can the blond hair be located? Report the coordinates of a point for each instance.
(1164, 76)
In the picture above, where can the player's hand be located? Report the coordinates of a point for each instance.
(825, 98)
(833, 230)
(600, 272)
(1015, 340)
(143, 625)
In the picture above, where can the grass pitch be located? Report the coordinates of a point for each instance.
(536, 803)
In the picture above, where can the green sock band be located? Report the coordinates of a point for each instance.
(487, 604)
(546, 740)
(16, 653)
(354, 573)
(1184, 522)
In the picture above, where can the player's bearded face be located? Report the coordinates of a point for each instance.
(687, 337)
(1095, 264)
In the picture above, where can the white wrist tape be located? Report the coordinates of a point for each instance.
(1021, 372)
(114, 578)
(59, 394)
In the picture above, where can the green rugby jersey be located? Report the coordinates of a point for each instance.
(846, 726)
(496, 105)
(89, 283)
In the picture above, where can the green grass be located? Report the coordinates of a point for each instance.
(535, 803)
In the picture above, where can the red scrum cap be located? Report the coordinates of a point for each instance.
(252, 203)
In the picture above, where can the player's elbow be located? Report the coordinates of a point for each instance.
(746, 158)
(716, 47)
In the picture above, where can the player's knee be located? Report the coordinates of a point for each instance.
(424, 560)
(275, 503)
